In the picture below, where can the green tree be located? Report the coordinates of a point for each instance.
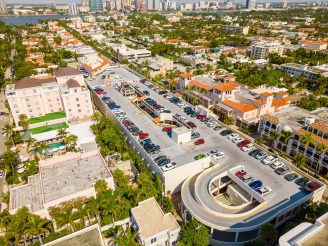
(10, 159)
(121, 180)
(299, 160)
(38, 227)
(228, 120)
(307, 139)
(269, 234)
(274, 136)
(194, 233)
(127, 238)
(100, 186)
(23, 121)
(62, 133)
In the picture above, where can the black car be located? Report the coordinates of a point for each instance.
(254, 152)
(301, 181)
(282, 170)
(160, 158)
(153, 148)
(195, 135)
(162, 92)
(164, 162)
(225, 132)
(146, 93)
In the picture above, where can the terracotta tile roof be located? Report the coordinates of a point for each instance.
(200, 85)
(278, 102)
(316, 138)
(72, 83)
(29, 82)
(259, 101)
(225, 87)
(266, 94)
(282, 93)
(186, 75)
(198, 48)
(243, 107)
(320, 126)
(104, 63)
(271, 118)
(66, 71)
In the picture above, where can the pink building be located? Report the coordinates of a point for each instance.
(41, 95)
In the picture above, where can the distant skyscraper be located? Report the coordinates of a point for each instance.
(140, 5)
(250, 4)
(96, 6)
(157, 4)
(3, 6)
(85, 3)
(73, 9)
(285, 4)
(126, 4)
(150, 4)
(118, 5)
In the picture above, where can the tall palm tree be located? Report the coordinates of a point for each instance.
(299, 160)
(11, 159)
(93, 207)
(286, 136)
(62, 133)
(8, 130)
(274, 136)
(128, 238)
(4, 220)
(322, 149)
(38, 226)
(307, 139)
(41, 146)
(30, 142)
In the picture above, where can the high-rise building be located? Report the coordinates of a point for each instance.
(126, 4)
(140, 5)
(73, 9)
(157, 5)
(96, 6)
(118, 5)
(250, 4)
(85, 3)
(3, 6)
(150, 4)
(285, 4)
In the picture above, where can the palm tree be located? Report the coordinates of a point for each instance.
(10, 158)
(307, 139)
(4, 220)
(38, 226)
(93, 207)
(322, 149)
(96, 117)
(128, 238)
(299, 160)
(8, 130)
(23, 121)
(274, 136)
(70, 141)
(62, 133)
(30, 142)
(286, 136)
(41, 146)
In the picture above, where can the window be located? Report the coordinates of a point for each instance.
(153, 240)
(78, 105)
(77, 99)
(79, 111)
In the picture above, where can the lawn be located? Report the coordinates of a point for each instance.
(42, 129)
(51, 116)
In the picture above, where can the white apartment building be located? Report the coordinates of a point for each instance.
(300, 122)
(129, 54)
(157, 65)
(297, 70)
(40, 95)
(153, 226)
(261, 50)
(313, 45)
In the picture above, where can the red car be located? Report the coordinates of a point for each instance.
(199, 141)
(191, 124)
(143, 135)
(101, 92)
(240, 173)
(124, 122)
(311, 186)
(201, 116)
(166, 129)
(243, 143)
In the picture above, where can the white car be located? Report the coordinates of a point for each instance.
(268, 160)
(277, 164)
(211, 124)
(264, 191)
(212, 152)
(237, 140)
(247, 147)
(168, 167)
(233, 136)
(218, 156)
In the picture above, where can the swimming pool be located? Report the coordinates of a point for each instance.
(49, 147)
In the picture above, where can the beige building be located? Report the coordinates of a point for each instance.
(231, 99)
(153, 226)
(313, 45)
(261, 50)
(41, 95)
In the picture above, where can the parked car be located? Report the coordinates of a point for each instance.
(160, 158)
(301, 181)
(233, 136)
(282, 170)
(201, 116)
(199, 141)
(255, 184)
(268, 160)
(225, 132)
(168, 167)
(164, 162)
(240, 173)
(254, 152)
(247, 178)
(260, 155)
(276, 165)
(247, 147)
(166, 129)
(195, 135)
(143, 135)
(264, 191)
(217, 128)
(237, 140)
(199, 156)
(191, 124)
(291, 176)
(311, 186)
(243, 143)
(219, 156)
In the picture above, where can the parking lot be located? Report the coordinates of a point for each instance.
(184, 154)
